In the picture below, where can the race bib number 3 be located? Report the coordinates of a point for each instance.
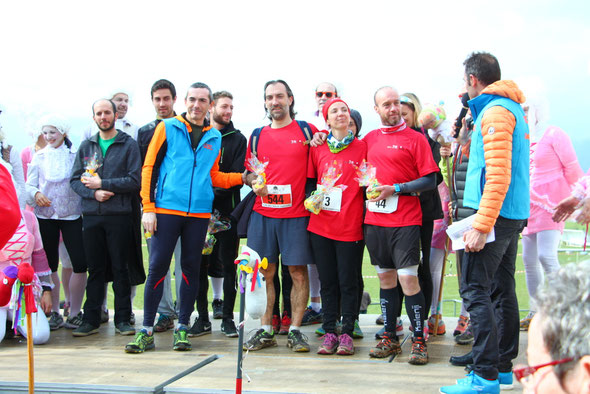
(279, 196)
(389, 205)
(333, 200)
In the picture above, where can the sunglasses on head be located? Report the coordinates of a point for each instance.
(327, 94)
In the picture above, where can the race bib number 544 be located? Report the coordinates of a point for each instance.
(279, 196)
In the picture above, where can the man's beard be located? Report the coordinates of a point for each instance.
(110, 127)
(219, 119)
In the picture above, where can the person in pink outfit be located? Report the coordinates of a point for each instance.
(580, 198)
(554, 169)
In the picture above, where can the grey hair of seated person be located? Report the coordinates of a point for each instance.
(564, 308)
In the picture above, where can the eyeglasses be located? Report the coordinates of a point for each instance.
(327, 94)
(525, 371)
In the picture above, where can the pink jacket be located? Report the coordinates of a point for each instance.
(554, 170)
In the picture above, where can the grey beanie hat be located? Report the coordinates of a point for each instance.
(358, 120)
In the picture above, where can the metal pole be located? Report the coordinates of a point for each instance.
(241, 332)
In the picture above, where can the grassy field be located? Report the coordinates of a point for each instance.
(450, 289)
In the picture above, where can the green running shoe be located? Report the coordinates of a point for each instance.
(141, 343)
(181, 342)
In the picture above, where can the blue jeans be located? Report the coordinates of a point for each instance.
(488, 290)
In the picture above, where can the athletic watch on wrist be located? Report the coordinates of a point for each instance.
(397, 188)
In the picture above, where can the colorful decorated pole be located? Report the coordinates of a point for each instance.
(23, 303)
(241, 333)
(252, 298)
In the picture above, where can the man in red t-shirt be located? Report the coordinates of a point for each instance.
(278, 224)
(392, 223)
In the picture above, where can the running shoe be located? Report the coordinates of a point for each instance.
(419, 353)
(200, 327)
(399, 327)
(387, 346)
(228, 327)
(285, 324)
(84, 330)
(124, 328)
(379, 334)
(104, 315)
(345, 345)
(380, 320)
(526, 322)
(74, 321)
(142, 342)
(441, 325)
(260, 340)
(320, 331)
(276, 324)
(357, 333)
(506, 380)
(55, 321)
(473, 384)
(66, 307)
(311, 317)
(181, 342)
(164, 323)
(466, 338)
(297, 341)
(329, 345)
(217, 306)
(461, 325)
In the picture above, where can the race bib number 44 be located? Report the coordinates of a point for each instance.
(389, 205)
(279, 196)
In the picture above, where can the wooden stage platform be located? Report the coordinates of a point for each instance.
(98, 364)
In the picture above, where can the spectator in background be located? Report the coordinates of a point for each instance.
(554, 169)
(58, 210)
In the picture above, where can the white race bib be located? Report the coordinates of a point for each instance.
(279, 196)
(332, 201)
(389, 205)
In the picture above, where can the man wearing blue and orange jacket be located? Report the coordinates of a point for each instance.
(179, 172)
(497, 186)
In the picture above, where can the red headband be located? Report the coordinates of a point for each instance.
(329, 103)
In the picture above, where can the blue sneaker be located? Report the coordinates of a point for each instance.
(473, 384)
(312, 317)
(506, 380)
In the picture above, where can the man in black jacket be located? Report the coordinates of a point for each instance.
(220, 263)
(107, 207)
(163, 94)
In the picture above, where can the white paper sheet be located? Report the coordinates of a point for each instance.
(456, 230)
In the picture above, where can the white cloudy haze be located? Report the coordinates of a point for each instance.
(58, 57)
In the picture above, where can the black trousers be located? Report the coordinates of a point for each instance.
(337, 264)
(71, 231)
(107, 236)
(220, 263)
(488, 289)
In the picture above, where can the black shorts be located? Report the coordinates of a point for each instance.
(393, 247)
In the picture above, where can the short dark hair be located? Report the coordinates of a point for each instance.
(484, 66)
(163, 84)
(104, 99)
(200, 85)
(222, 94)
(292, 112)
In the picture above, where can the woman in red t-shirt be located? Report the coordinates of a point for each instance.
(336, 232)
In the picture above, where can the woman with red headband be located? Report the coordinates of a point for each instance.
(336, 232)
